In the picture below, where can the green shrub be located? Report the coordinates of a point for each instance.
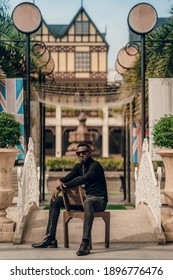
(157, 164)
(70, 112)
(163, 132)
(63, 163)
(54, 164)
(50, 108)
(10, 130)
(111, 164)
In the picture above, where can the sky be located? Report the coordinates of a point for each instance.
(109, 15)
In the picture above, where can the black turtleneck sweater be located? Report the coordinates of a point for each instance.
(92, 177)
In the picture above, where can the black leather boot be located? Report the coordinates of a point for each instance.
(46, 243)
(84, 249)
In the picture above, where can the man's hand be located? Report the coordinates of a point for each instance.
(59, 187)
(59, 184)
(55, 193)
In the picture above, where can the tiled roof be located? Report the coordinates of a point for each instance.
(57, 30)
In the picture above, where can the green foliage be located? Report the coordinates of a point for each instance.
(50, 108)
(159, 51)
(159, 58)
(163, 132)
(12, 46)
(70, 112)
(157, 164)
(111, 164)
(53, 164)
(10, 131)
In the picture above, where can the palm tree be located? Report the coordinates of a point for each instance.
(160, 51)
(12, 58)
(159, 57)
(12, 46)
(159, 64)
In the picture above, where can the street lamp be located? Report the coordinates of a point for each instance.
(142, 19)
(27, 19)
(126, 59)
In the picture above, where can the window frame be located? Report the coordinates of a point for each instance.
(80, 28)
(82, 62)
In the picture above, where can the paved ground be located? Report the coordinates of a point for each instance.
(131, 237)
(117, 251)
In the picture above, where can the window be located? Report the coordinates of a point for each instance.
(81, 28)
(82, 62)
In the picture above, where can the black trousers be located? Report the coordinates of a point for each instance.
(91, 204)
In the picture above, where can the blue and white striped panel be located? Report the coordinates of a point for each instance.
(135, 156)
(3, 103)
(15, 105)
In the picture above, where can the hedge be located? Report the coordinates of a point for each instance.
(63, 163)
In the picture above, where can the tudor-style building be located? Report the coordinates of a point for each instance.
(78, 58)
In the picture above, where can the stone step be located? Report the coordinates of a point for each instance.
(126, 226)
(15, 181)
(15, 185)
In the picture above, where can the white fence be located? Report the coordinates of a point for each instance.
(147, 186)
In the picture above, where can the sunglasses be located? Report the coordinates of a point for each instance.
(82, 152)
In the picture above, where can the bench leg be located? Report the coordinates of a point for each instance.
(107, 231)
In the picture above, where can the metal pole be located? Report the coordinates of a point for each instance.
(143, 117)
(41, 151)
(27, 124)
(42, 146)
(124, 151)
(128, 163)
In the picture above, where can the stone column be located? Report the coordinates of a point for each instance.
(105, 133)
(58, 140)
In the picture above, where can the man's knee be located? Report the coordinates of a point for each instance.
(88, 205)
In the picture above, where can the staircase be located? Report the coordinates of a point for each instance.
(133, 225)
(15, 186)
(126, 226)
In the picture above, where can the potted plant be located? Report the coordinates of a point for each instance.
(10, 133)
(163, 139)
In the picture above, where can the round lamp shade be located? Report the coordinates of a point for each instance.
(27, 17)
(127, 57)
(49, 67)
(142, 18)
(121, 70)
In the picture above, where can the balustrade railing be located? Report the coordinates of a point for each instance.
(28, 184)
(147, 186)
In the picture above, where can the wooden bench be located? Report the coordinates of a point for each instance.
(75, 196)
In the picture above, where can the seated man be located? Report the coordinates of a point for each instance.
(90, 174)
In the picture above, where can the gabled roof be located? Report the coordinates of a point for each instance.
(60, 30)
